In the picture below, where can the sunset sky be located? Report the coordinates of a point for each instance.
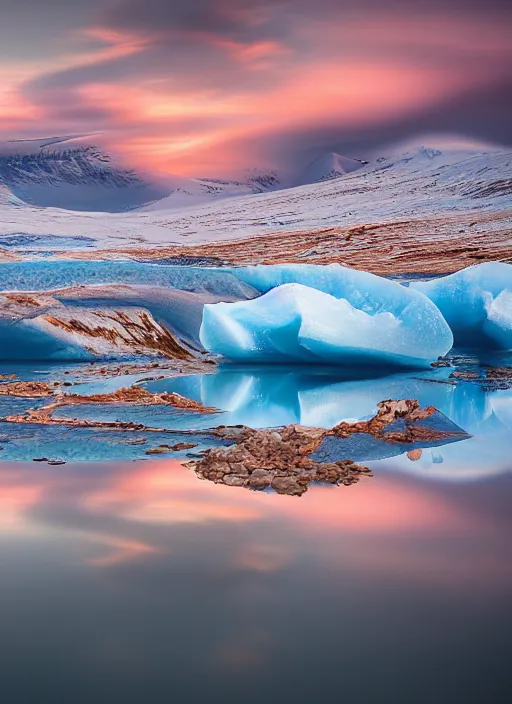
(202, 87)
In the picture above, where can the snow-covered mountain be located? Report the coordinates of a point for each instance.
(422, 183)
(327, 167)
(68, 173)
(72, 173)
(186, 192)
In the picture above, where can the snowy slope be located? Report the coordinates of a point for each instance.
(7, 197)
(327, 167)
(416, 184)
(73, 173)
(187, 192)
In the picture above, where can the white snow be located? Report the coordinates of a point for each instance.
(327, 167)
(415, 184)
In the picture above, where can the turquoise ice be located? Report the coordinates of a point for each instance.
(360, 320)
(477, 304)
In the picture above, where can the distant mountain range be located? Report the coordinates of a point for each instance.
(42, 182)
(65, 172)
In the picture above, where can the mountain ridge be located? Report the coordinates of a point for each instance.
(72, 173)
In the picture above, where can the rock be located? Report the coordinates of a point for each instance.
(288, 485)
(409, 412)
(26, 389)
(259, 479)
(234, 480)
(441, 363)
(182, 446)
(464, 375)
(260, 459)
(284, 459)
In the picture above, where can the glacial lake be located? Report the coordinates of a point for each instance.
(126, 578)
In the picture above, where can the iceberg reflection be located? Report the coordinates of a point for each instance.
(275, 396)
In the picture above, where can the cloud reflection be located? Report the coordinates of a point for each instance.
(136, 512)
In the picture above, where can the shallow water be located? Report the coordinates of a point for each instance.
(262, 397)
(134, 581)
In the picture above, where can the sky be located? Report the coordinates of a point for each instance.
(209, 87)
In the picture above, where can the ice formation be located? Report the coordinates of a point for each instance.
(47, 275)
(477, 304)
(89, 322)
(367, 292)
(79, 334)
(369, 321)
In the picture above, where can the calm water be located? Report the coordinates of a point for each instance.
(138, 583)
(133, 581)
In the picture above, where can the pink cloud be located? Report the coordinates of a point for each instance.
(198, 95)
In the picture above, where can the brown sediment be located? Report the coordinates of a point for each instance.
(389, 411)
(164, 368)
(25, 299)
(139, 396)
(7, 377)
(134, 395)
(498, 372)
(441, 363)
(460, 374)
(27, 389)
(143, 333)
(165, 449)
(6, 256)
(440, 244)
(180, 446)
(409, 412)
(497, 378)
(492, 378)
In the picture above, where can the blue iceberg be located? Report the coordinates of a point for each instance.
(367, 292)
(370, 322)
(477, 304)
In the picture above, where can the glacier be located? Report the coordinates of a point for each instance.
(49, 274)
(477, 304)
(87, 322)
(371, 321)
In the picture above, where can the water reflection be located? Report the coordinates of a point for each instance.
(263, 397)
(129, 581)
(274, 396)
(277, 396)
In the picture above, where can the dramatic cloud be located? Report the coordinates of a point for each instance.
(208, 86)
